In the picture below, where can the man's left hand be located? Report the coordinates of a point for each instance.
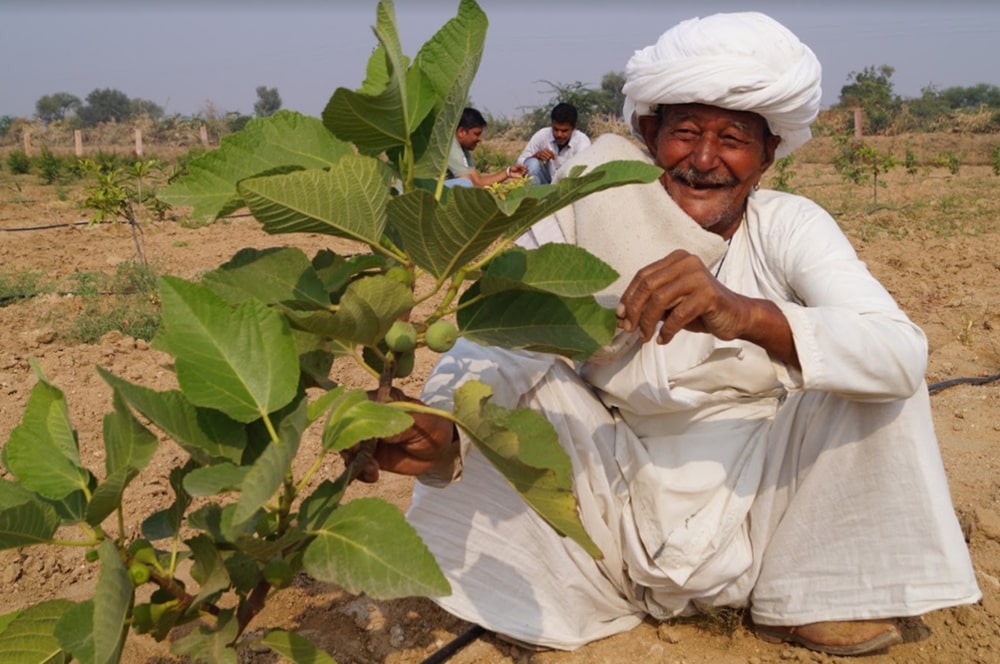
(680, 291)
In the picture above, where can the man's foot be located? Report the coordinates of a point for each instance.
(836, 637)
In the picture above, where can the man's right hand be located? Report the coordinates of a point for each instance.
(430, 443)
(545, 155)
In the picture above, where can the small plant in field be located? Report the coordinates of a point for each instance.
(995, 159)
(117, 191)
(949, 160)
(781, 179)
(860, 163)
(18, 162)
(50, 166)
(22, 285)
(965, 336)
(910, 162)
(253, 343)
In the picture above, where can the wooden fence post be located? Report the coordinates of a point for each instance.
(857, 124)
(204, 135)
(138, 142)
(78, 142)
(27, 143)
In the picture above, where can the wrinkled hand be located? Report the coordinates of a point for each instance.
(430, 441)
(680, 291)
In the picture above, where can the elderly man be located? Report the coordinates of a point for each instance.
(758, 434)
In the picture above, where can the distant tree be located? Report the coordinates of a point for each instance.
(55, 106)
(104, 106)
(139, 107)
(871, 90)
(929, 106)
(236, 121)
(614, 98)
(268, 101)
(6, 122)
(972, 97)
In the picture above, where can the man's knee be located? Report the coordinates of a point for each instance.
(537, 170)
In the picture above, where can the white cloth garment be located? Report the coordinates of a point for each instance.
(743, 61)
(707, 474)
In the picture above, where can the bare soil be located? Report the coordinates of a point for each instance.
(932, 243)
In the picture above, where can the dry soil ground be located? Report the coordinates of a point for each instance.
(934, 245)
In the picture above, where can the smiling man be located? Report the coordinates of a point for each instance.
(757, 435)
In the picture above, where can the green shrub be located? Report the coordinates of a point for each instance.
(49, 166)
(995, 159)
(23, 285)
(948, 160)
(127, 301)
(781, 178)
(18, 162)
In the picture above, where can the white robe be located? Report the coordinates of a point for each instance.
(708, 474)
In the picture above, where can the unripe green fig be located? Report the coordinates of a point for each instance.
(400, 274)
(404, 364)
(138, 573)
(278, 573)
(441, 336)
(401, 337)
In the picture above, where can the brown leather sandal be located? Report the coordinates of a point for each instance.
(836, 637)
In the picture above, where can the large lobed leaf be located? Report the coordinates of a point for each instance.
(560, 269)
(24, 519)
(442, 238)
(129, 447)
(375, 118)
(271, 467)
(524, 447)
(241, 360)
(348, 200)
(367, 546)
(573, 327)
(366, 311)
(449, 62)
(353, 417)
(283, 141)
(278, 274)
(29, 637)
(207, 435)
(94, 630)
(42, 451)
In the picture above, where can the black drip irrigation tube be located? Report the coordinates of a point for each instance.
(456, 644)
(980, 380)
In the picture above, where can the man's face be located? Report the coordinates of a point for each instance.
(561, 132)
(712, 158)
(469, 138)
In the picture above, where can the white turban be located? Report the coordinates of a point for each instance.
(744, 61)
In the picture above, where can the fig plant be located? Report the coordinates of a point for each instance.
(253, 343)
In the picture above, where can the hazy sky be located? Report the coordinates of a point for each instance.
(182, 53)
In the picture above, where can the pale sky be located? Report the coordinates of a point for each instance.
(183, 53)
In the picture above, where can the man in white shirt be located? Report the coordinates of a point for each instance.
(551, 147)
